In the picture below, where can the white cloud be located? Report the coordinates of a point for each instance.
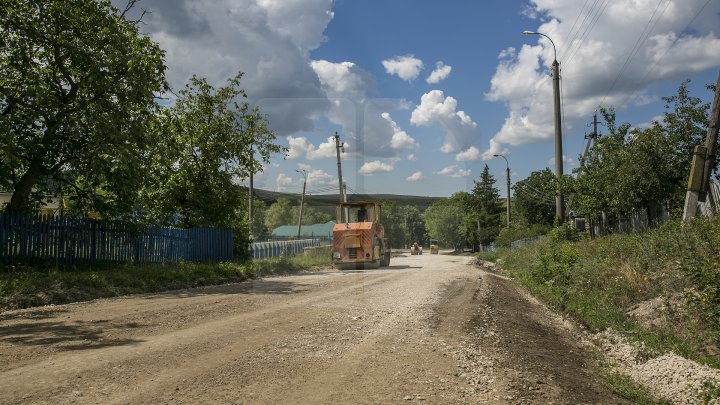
(376, 166)
(453, 171)
(417, 176)
(441, 72)
(471, 153)
(405, 67)
(461, 131)
(348, 86)
(411, 157)
(317, 177)
(299, 146)
(269, 40)
(400, 139)
(671, 52)
(282, 182)
(567, 160)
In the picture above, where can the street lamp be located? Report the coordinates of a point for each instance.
(559, 200)
(302, 200)
(507, 172)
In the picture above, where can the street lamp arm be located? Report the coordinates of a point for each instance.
(526, 32)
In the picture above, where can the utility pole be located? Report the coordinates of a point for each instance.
(338, 147)
(559, 199)
(250, 198)
(703, 163)
(302, 200)
(507, 173)
(710, 141)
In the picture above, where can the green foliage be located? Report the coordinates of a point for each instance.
(445, 220)
(25, 286)
(599, 280)
(564, 233)
(211, 138)
(77, 88)
(393, 223)
(629, 170)
(486, 208)
(534, 198)
(310, 215)
(279, 214)
(413, 225)
(509, 235)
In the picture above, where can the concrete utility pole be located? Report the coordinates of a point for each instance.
(710, 141)
(338, 147)
(507, 172)
(250, 198)
(559, 199)
(302, 200)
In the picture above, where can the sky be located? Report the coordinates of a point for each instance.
(423, 93)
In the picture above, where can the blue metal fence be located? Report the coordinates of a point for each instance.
(67, 240)
(265, 250)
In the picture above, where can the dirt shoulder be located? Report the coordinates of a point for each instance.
(429, 329)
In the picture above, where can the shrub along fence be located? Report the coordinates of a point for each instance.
(66, 240)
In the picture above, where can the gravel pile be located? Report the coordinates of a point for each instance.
(668, 376)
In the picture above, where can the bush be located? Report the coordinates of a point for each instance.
(509, 235)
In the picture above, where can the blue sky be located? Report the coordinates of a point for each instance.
(425, 92)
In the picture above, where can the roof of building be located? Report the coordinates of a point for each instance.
(286, 231)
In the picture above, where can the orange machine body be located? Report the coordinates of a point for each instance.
(362, 242)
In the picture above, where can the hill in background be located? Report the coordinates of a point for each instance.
(328, 202)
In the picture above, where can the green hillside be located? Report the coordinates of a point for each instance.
(327, 202)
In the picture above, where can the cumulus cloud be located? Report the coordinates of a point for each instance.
(411, 157)
(453, 171)
(620, 77)
(441, 72)
(317, 177)
(300, 146)
(367, 131)
(435, 109)
(283, 181)
(400, 139)
(405, 67)
(376, 166)
(269, 40)
(417, 176)
(567, 160)
(471, 153)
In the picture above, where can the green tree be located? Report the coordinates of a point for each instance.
(445, 220)
(279, 214)
(392, 221)
(534, 198)
(487, 208)
(310, 215)
(77, 86)
(413, 225)
(205, 150)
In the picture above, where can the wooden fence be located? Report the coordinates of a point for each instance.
(67, 240)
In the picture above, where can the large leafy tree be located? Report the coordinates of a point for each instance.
(211, 139)
(445, 220)
(77, 86)
(534, 198)
(310, 215)
(413, 224)
(279, 214)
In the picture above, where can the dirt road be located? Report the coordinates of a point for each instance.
(431, 328)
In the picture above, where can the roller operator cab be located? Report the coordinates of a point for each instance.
(359, 237)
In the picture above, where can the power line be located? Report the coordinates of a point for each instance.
(589, 29)
(652, 67)
(644, 35)
(571, 36)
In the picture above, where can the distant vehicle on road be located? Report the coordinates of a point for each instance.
(434, 246)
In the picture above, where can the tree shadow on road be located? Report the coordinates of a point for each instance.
(79, 335)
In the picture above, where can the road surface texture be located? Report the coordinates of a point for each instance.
(428, 329)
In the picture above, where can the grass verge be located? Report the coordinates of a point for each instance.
(24, 286)
(660, 288)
